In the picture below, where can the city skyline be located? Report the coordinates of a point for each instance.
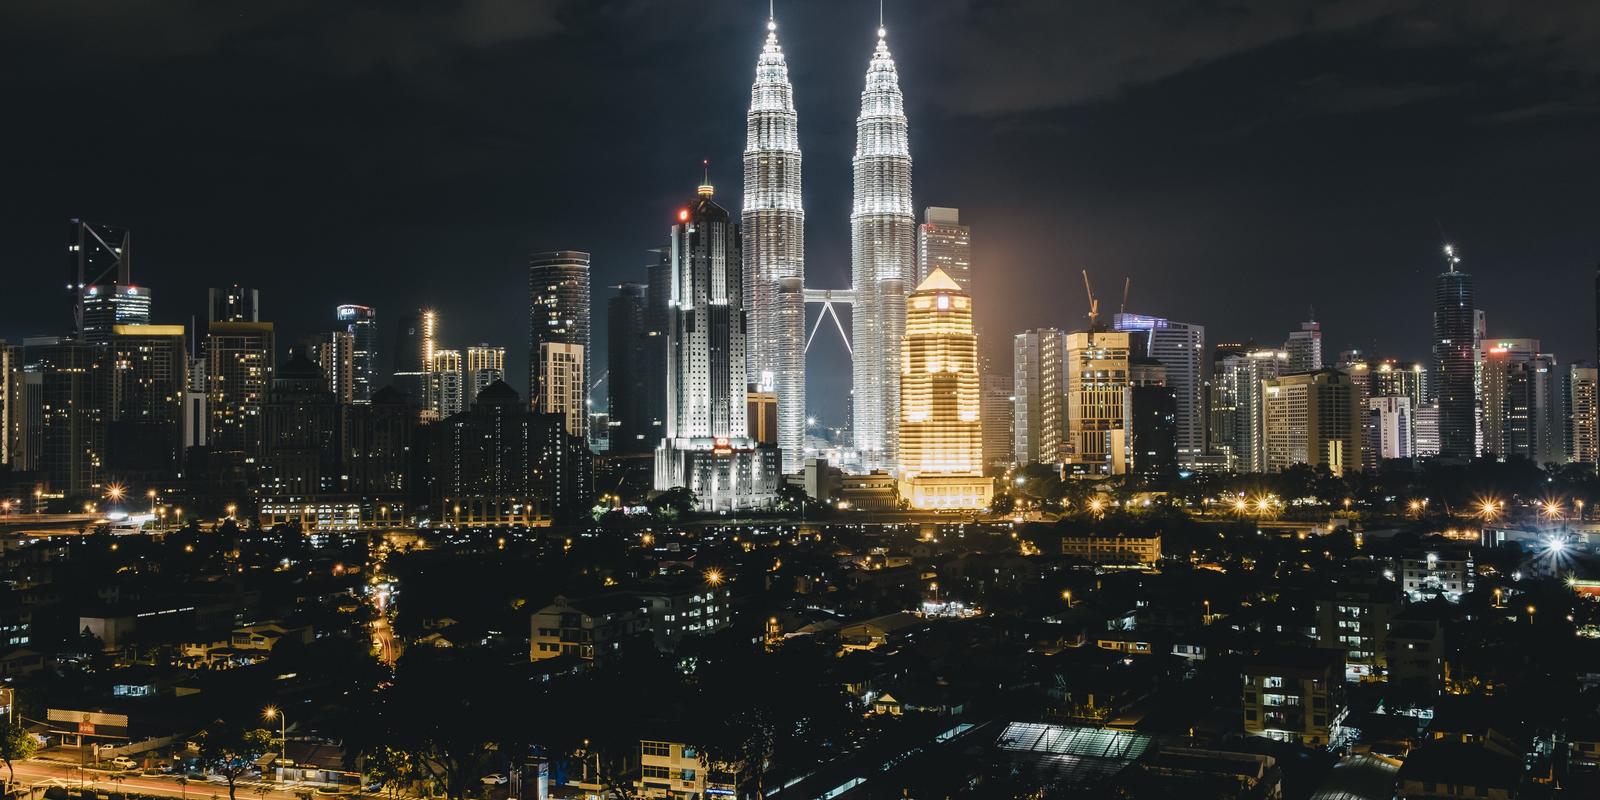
(1511, 248)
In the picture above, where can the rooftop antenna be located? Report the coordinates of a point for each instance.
(1450, 257)
(705, 183)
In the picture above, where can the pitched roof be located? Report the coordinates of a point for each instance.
(938, 281)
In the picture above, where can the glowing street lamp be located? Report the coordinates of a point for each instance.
(1066, 594)
(714, 577)
(115, 492)
(270, 713)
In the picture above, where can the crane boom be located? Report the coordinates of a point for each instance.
(1094, 304)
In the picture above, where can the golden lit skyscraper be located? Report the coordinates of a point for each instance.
(1097, 411)
(941, 434)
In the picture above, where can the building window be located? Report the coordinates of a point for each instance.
(661, 749)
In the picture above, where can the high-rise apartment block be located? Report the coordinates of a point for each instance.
(1039, 412)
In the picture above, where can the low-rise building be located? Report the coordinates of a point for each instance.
(1108, 548)
(1446, 572)
(588, 628)
(1295, 695)
(1354, 619)
(676, 771)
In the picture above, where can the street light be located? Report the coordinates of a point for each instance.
(1531, 609)
(714, 577)
(270, 713)
(1066, 594)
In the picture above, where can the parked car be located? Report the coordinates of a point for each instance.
(123, 762)
(493, 779)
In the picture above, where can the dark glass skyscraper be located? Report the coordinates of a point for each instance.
(362, 323)
(1454, 359)
(234, 304)
(628, 346)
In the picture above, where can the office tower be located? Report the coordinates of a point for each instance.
(658, 295)
(762, 416)
(362, 323)
(882, 259)
(1181, 348)
(484, 365)
(1523, 408)
(1311, 418)
(240, 357)
(1392, 426)
(1454, 356)
(1366, 380)
(1425, 431)
(944, 243)
(941, 428)
(1039, 413)
(334, 353)
(1152, 420)
(996, 414)
(146, 375)
(558, 288)
(197, 405)
(707, 447)
(234, 304)
(1583, 411)
(299, 433)
(71, 438)
(1097, 414)
(413, 344)
(561, 385)
(1305, 348)
(1239, 381)
(774, 222)
(445, 392)
(100, 259)
(629, 346)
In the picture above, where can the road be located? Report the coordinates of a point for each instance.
(30, 773)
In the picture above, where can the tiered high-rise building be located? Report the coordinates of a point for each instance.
(101, 258)
(774, 248)
(707, 448)
(1454, 357)
(882, 258)
(941, 430)
(1237, 388)
(446, 395)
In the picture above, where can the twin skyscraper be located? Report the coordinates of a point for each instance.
(772, 260)
(882, 253)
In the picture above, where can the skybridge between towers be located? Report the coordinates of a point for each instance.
(827, 298)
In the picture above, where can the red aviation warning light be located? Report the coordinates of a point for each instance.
(683, 215)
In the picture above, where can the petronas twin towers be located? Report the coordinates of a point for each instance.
(882, 253)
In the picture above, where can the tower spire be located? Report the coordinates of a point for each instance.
(705, 182)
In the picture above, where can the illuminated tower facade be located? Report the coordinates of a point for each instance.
(941, 432)
(883, 238)
(558, 313)
(362, 324)
(707, 448)
(485, 364)
(774, 248)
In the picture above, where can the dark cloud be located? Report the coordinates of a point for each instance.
(1073, 51)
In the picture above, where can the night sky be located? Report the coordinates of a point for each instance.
(1241, 161)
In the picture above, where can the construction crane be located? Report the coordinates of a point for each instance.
(1094, 304)
(1127, 283)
